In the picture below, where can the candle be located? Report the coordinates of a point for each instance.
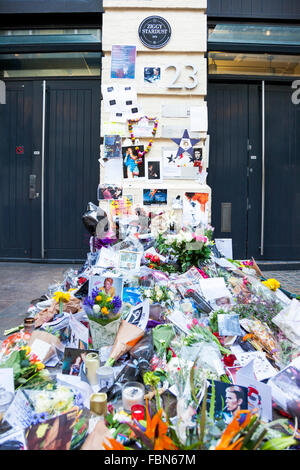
(29, 324)
(98, 403)
(92, 364)
(132, 394)
(138, 412)
(105, 376)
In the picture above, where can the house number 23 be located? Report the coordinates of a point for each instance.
(192, 74)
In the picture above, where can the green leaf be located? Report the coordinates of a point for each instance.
(279, 443)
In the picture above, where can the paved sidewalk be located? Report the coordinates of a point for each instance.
(20, 283)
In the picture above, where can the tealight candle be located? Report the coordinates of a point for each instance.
(98, 403)
(132, 394)
(92, 364)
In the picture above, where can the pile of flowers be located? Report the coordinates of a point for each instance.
(187, 248)
(102, 308)
(159, 294)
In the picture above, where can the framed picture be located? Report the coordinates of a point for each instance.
(155, 196)
(133, 164)
(154, 170)
(129, 260)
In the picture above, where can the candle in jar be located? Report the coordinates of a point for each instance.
(92, 364)
(132, 394)
(105, 377)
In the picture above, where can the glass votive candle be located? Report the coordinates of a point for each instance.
(106, 377)
(98, 404)
(138, 412)
(132, 394)
(29, 324)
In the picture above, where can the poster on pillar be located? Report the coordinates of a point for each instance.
(195, 209)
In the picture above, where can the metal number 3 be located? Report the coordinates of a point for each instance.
(178, 70)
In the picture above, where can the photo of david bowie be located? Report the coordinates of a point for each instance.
(235, 397)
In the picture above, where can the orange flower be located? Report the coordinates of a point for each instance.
(248, 336)
(114, 445)
(232, 430)
(157, 431)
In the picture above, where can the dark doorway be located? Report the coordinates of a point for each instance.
(235, 169)
(48, 227)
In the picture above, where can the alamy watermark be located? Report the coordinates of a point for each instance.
(296, 93)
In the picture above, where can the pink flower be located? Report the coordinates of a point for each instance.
(188, 326)
(195, 321)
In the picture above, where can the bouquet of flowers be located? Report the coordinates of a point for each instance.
(102, 308)
(50, 403)
(104, 317)
(159, 294)
(25, 365)
(186, 247)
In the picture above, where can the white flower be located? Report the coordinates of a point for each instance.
(147, 293)
(96, 309)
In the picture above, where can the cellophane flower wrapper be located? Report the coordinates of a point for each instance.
(127, 337)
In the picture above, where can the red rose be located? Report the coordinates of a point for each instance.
(229, 360)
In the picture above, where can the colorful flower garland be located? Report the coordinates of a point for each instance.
(133, 138)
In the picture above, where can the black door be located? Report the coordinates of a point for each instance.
(71, 170)
(235, 169)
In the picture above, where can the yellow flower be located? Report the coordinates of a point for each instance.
(27, 349)
(98, 298)
(272, 284)
(40, 366)
(104, 311)
(109, 299)
(62, 296)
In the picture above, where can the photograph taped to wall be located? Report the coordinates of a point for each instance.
(198, 157)
(195, 209)
(155, 196)
(152, 74)
(121, 207)
(154, 170)
(106, 191)
(123, 61)
(112, 146)
(133, 164)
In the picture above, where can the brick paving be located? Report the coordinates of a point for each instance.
(289, 280)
